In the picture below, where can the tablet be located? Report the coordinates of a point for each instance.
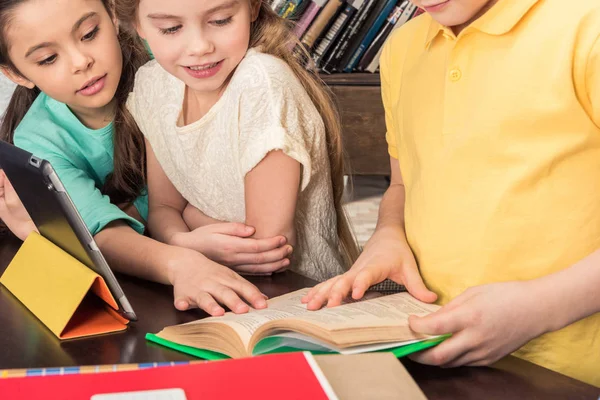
(55, 215)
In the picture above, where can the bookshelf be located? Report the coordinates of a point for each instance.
(358, 96)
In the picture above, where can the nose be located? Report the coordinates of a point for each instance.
(200, 44)
(81, 61)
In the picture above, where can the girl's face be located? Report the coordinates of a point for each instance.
(68, 49)
(455, 14)
(201, 42)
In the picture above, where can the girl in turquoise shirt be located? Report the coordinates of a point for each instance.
(75, 70)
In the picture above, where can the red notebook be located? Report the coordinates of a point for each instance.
(290, 376)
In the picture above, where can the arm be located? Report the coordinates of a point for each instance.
(271, 193)
(226, 243)
(387, 255)
(197, 281)
(12, 211)
(165, 203)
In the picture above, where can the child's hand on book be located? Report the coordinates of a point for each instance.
(12, 211)
(230, 244)
(486, 322)
(200, 282)
(386, 256)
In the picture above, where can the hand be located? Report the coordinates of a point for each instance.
(229, 243)
(12, 211)
(200, 282)
(486, 322)
(386, 256)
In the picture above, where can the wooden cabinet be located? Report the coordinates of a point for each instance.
(358, 97)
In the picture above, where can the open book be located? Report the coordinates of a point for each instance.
(373, 324)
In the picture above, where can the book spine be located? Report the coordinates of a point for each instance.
(277, 5)
(321, 22)
(358, 38)
(409, 13)
(309, 15)
(331, 61)
(381, 36)
(335, 31)
(381, 18)
(291, 9)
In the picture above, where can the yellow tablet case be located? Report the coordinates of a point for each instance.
(69, 298)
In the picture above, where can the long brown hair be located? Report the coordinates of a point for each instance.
(127, 181)
(275, 37)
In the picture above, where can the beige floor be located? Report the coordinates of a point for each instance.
(363, 205)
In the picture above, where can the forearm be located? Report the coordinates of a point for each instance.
(391, 212)
(195, 218)
(165, 222)
(571, 294)
(133, 254)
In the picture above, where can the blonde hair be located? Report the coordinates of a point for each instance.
(274, 36)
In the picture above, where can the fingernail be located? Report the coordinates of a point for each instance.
(285, 262)
(265, 296)
(249, 229)
(261, 303)
(290, 249)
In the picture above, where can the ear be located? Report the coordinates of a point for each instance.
(17, 78)
(254, 9)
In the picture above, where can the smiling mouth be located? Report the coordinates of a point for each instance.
(203, 67)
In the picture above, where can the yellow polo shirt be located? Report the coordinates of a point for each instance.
(497, 131)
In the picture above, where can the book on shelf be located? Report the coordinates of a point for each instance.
(321, 23)
(401, 14)
(377, 323)
(335, 30)
(310, 13)
(330, 62)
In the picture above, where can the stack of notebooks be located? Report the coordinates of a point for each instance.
(345, 35)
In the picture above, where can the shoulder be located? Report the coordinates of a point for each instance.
(265, 73)
(153, 88)
(152, 81)
(411, 36)
(41, 131)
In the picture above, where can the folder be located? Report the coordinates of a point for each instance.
(69, 298)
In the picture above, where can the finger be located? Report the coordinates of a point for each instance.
(446, 352)
(232, 229)
(366, 278)
(181, 302)
(261, 269)
(441, 322)
(207, 303)
(271, 256)
(256, 246)
(308, 296)
(250, 293)
(321, 295)
(341, 289)
(415, 286)
(229, 298)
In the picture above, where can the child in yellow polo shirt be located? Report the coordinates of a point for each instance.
(493, 118)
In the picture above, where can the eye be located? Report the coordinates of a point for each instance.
(170, 31)
(222, 22)
(47, 61)
(91, 35)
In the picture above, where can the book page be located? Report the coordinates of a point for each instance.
(245, 325)
(391, 310)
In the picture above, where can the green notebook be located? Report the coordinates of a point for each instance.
(378, 323)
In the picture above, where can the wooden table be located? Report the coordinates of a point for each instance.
(26, 343)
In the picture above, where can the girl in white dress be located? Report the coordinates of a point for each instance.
(238, 128)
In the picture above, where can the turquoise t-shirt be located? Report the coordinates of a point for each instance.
(82, 158)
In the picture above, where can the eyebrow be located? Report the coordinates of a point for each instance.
(220, 7)
(75, 27)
